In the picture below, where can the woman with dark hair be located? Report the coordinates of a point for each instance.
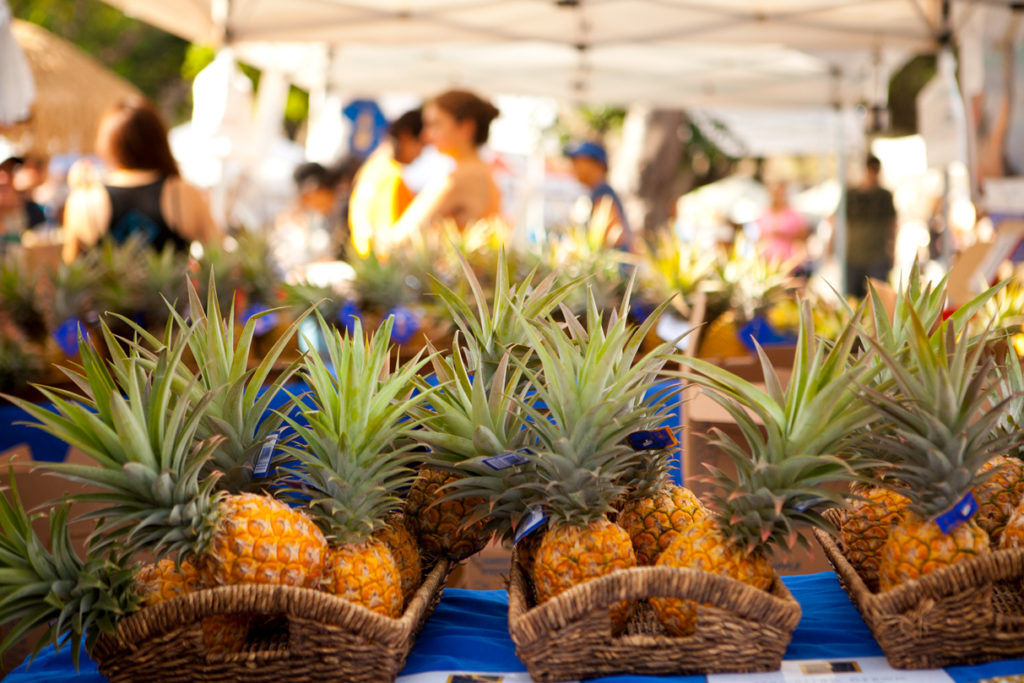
(457, 123)
(142, 195)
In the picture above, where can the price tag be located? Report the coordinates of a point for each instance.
(406, 324)
(266, 453)
(653, 440)
(262, 322)
(66, 336)
(530, 522)
(506, 460)
(949, 520)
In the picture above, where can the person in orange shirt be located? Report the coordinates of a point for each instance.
(380, 195)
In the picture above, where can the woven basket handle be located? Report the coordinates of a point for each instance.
(742, 600)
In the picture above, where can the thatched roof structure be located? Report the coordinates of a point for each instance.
(73, 90)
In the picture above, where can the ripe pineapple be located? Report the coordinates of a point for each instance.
(356, 459)
(594, 397)
(864, 528)
(783, 470)
(465, 423)
(140, 428)
(1001, 495)
(654, 520)
(942, 411)
(46, 583)
(402, 544)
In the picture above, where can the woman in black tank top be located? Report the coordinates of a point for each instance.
(143, 195)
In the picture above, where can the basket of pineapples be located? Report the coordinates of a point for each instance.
(932, 551)
(201, 569)
(581, 602)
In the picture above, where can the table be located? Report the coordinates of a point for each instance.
(469, 632)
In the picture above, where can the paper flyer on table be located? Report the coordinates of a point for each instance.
(852, 670)
(467, 677)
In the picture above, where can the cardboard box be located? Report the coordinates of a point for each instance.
(487, 570)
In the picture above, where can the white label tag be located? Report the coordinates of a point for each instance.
(531, 521)
(850, 670)
(266, 453)
(467, 677)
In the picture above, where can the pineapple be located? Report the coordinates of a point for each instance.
(46, 583)
(864, 528)
(942, 412)
(1001, 495)
(783, 470)
(133, 419)
(356, 459)
(397, 536)
(654, 520)
(594, 397)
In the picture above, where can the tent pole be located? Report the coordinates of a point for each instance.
(839, 236)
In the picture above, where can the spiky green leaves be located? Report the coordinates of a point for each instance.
(590, 394)
(133, 417)
(942, 411)
(796, 439)
(355, 427)
(498, 324)
(54, 588)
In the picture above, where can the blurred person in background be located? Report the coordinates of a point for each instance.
(17, 208)
(457, 123)
(380, 195)
(142, 194)
(782, 232)
(870, 230)
(590, 166)
(309, 230)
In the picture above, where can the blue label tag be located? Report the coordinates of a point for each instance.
(530, 522)
(506, 460)
(653, 440)
(406, 324)
(347, 314)
(262, 324)
(949, 520)
(266, 453)
(66, 336)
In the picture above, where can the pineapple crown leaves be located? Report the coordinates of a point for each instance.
(466, 419)
(1011, 380)
(942, 409)
(819, 411)
(354, 425)
(497, 324)
(467, 422)
(593, 396)
(925, 301)
(142, 432)
(53, 587)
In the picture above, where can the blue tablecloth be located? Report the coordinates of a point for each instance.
(469, 632)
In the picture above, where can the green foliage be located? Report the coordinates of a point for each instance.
(146, 56)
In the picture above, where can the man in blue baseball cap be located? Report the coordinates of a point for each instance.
(590, 166)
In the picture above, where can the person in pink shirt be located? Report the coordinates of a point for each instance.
(782, 232)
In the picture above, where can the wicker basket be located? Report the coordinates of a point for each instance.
(969, 613)
(569, 637)
(310, 636)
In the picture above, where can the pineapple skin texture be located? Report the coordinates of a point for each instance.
(569, 556)
(365, 573)
(864, 529)
(402, 544)
(161, 581)
(702, 546)
(653, 522)
(917, 547)
(260, 540)
(1013, 533)
(1000, 495)
(440, 526)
